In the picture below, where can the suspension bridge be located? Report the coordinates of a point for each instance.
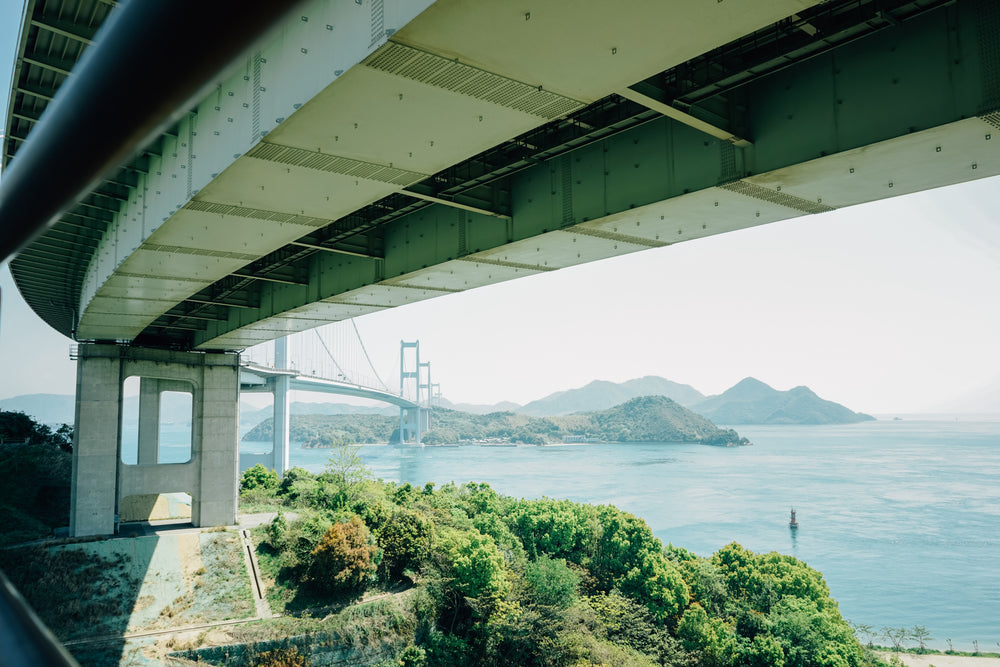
(333, 359)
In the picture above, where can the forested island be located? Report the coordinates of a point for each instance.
(643, 419)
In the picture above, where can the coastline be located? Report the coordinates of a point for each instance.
(941, 659)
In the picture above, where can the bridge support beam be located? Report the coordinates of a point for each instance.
(100, 479)
(282, 413)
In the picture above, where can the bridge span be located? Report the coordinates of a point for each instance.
(373, 153)
(282, 378)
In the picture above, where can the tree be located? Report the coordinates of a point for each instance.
(259, 477)
(763, 651)
(552, 583)
(19, 427)
(343, 561)
(557, 527)
(864, 632)
(343, 476)
(345, 466)
(477, 566)
(16, 427)
(291, 482)
(896, 636)
(922, 635)
(63, 437)
(405, 538)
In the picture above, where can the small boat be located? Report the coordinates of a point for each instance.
(793, 523)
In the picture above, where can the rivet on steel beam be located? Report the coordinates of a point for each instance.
(937, 149)
(975, 166)
(614, 50)
(527, 16)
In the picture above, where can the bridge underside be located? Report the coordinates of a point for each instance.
(474, 147)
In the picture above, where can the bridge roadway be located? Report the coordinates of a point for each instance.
(254, 378)
(375, 153)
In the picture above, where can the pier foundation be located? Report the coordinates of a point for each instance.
(100, 480)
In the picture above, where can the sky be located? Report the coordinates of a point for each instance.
(889, 307)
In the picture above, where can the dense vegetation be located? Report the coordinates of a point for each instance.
(644, 419)
(495, 580)
(35, 463)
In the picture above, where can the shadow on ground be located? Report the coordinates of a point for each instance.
(133, 583)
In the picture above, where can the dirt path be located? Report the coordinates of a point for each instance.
(261, 605)
(156, 633)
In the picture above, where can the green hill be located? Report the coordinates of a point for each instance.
(753, 402)
(659, 419)
(644, 419)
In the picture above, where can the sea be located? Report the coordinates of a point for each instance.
(902, 516)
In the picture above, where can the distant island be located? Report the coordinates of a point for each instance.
(752, 402)
(749, 402)
(642, 419)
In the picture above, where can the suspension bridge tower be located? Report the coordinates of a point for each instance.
(415, 380)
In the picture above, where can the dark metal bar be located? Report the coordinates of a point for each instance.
(82, 138)
(24, 639)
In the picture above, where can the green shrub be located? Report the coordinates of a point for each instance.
(259, 477)
(343, 561)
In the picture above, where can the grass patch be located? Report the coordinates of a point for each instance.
(75, 593)
(378, 628)
(217, 591)
(34, 491)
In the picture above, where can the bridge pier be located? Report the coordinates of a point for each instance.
(210, 476)
(282, 413)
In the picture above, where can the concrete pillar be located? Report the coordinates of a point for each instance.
(216, 433)
(101, 481)
(96, 443)
(149, 421)
(281, 415)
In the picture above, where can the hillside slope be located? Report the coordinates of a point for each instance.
(601, 395)
(753, 402)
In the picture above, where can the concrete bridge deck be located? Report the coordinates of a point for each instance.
(379, 153)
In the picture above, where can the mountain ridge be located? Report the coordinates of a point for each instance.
(751, 401)
(748, 402)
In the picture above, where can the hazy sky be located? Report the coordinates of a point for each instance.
(888, 307)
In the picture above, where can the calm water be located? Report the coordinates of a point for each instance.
(901, 517)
